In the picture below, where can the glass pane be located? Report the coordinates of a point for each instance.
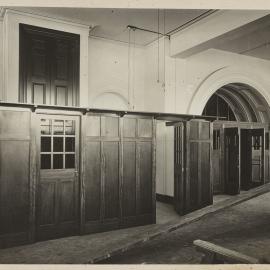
(58, 144)
(45, 144)
(46, 126)
(45, 161)
(70, 144)
(70, 127)
(58, 161)
(58, 127)
(70, 161)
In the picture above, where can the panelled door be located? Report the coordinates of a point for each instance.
(101, 177)
(199, 186)
(246, 158)
(193, 186)
(179, 173)
(252, 158)
(257, 162)
(58, 186)
(232, 168)
(49, 66)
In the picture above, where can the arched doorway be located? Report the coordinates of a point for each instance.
(238, 102)
(240, 138)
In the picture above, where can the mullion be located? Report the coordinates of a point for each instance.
(64, 146)
(52, 130)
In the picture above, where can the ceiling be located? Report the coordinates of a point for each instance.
(112, 23)
(252, 39)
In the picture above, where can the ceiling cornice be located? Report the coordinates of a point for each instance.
(45, 16)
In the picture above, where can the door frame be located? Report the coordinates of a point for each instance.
(25, 29)
(219, 124)
(52, 114)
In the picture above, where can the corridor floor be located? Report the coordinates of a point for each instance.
(157, 243)
(244, 228)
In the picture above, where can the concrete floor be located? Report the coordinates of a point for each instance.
(244, 228)
(157, 243)
(165, 212)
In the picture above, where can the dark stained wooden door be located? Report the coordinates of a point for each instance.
(15, 164)
(192, 159)
(246, 158)
(257, 161)
(58, 186)
(199, 186)
(137, 207)
(266, 157)
(217, 168)
(118, 181)
(252, 158)
(101, 178)
(232, 168)
(49, 66)
(179, 169)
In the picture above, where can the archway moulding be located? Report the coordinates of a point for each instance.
(108, 94)
(224, 76)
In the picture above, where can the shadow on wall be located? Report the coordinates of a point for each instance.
(111, 100)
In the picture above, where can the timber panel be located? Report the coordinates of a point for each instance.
(193, 171)
(118, 172)
(14, 176)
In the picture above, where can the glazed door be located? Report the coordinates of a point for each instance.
(257, 161)
(232, 180)
(58, 187)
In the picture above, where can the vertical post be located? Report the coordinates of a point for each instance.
(33, 172)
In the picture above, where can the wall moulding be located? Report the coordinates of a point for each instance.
(222, 77)
(11, 22)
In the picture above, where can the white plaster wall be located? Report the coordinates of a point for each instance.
(116, 68)
(200, 68)
(154, 77)
(190, 82)
(165, 165)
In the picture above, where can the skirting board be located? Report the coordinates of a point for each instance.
(164, 198)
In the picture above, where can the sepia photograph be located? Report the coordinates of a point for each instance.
(134, 135)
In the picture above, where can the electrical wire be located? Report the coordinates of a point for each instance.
(129, 67)
(158, 50)
(133, 86)
(164, 50)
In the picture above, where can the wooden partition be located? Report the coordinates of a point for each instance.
(119, 174)
(193, 174)
(67, 173)
(249, 164)
(15, 142)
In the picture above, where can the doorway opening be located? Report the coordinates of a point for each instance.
(240, 158)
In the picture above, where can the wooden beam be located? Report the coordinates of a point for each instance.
(121, 113)
(217, 254)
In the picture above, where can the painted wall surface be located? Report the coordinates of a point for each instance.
(190, 83)
(119, 76)
(116, 72)
(155, 76)
(203, 67)
(165, 164)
